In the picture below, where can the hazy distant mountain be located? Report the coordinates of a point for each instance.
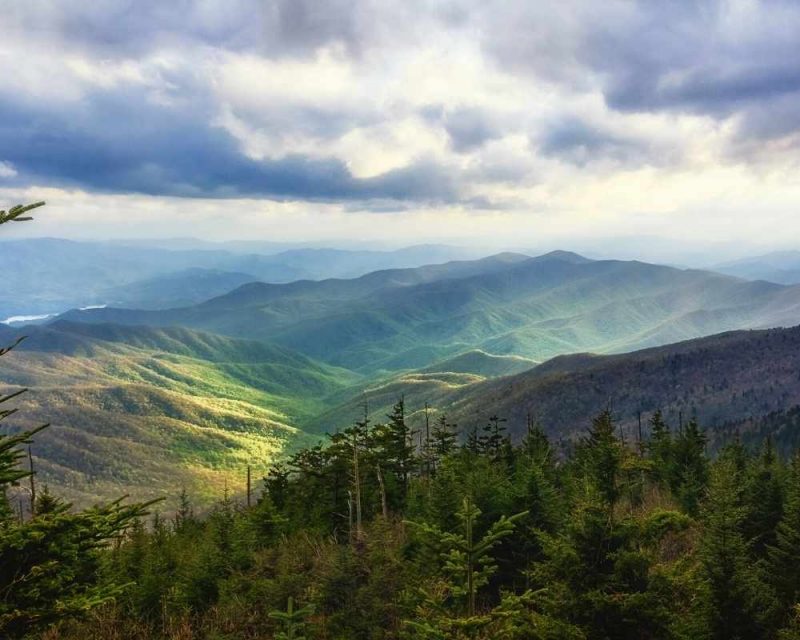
(141, 411)
(782, 267)
(508, 304)
(53, 275)
(181, 288)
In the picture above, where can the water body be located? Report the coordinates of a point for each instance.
(36, 318)
(24, 319)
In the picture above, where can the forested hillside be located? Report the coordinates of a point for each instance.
(368, 538)
(135, 410)
(735, 376)
(535, 308)
(139, 409)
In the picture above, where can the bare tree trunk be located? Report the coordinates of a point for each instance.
(427, 452)
(384, 505)
(470, 567)
(357, 485)
(350, 516)
(248, 485)
(33, 482)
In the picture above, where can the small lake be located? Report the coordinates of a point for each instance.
(36, 318)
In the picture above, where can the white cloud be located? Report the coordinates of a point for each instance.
(545, 118)
(7, 170)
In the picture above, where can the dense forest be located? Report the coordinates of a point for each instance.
(382, 531)
(371, 535)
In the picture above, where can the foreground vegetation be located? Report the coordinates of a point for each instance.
(371, 537)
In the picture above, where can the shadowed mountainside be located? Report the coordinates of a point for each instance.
(721, 378)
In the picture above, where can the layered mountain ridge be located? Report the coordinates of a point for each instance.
(192, 395)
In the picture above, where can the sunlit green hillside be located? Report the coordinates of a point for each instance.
(508, 304)
(141, 411)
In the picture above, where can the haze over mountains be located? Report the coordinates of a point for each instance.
(144, 398)
(53, 275)
(781, 266)
(508, 304)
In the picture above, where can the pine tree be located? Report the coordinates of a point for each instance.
(292, 621)
(601, 454)
(690, 470)
(467, 559)
(49, 564)
(660, 449)
(763, 497)
(731, 585)
(783, 555)
(184, 516)
(536, 444)
(493, 437)
(276, 484)
(473, 443)
(394, 450)
(444, 438)
(597, 570)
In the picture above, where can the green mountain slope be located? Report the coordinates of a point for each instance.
(505, 305)
(180, 288)
(141, 411)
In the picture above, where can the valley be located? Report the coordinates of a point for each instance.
(144, 400)
(141, 411)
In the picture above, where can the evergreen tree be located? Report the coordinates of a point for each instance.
(690, 471)
(660, 449)
(731, 586)
(473, 443)
(276, 484)
(783, 555)
(601, 455)
(467, 559)
(763, 499)
(49, 564)
(394, 451)
(536, 444)
(292, 621)
(493, 437)
(597, 572)
(444, 438)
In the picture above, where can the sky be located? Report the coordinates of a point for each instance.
(555, 122)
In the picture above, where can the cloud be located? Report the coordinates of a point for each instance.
(468, 129)
(581, 143)
(135, 27)
(720, 59)
(559, 108)
(120, 142)
(7, 170)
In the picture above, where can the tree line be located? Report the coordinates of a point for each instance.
(371, 534)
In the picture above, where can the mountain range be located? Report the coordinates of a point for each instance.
(507, 304)
(52, 275)
(782, 267)
(146, 399)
